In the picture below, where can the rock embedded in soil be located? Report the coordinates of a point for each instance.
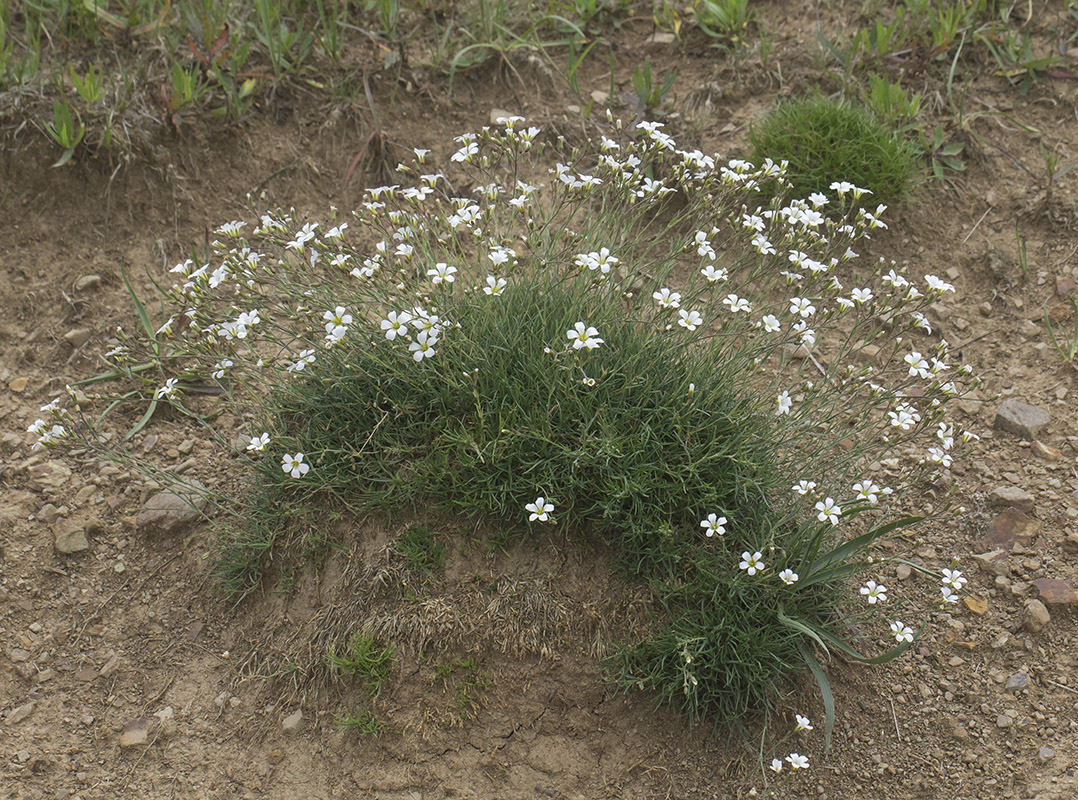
(50, 475)
(135, 732)
(293, 723)
(1055, 592)
(1044, 452)
(19, 713)
(1021, 419)
(1035, 616)
(167, 511)
(1012, 496)
(1009, 528)
(86, 282)
(77, 337)
(994, 562)
(70, 536)
(1017, 682)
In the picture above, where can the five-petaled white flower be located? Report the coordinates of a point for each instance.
(804, 487)
(803, 723)
(540, 509)
(937, 285)
(713, 275)
(802, 306)
(788, 576)
(337, 318)
(736, 303)
(690, 319)
(770, 323)
(713, 524)
(442, 273)
(667, 299)
(396, 324)
(903, 633)
(947, 595)
(784, 403)
(918, 365)
(866, 490)
(874, 593)
(797, 761)
(294, 465)
(776, 765)
(582, 335)
(860, 296)
(751, 562)
(954, 579)
(258, 443)
(423, 346)
(829, 511)
(495, 286)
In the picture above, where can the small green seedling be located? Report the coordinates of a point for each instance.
(65, 130)
(362, 657)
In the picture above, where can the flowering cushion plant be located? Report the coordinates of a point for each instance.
(661, 373)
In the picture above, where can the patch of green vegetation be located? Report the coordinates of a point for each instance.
(466, 680)
(362, 722)
(833, 140)
(363, 658)
(421, 550)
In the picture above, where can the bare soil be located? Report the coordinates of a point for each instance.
(498, 690)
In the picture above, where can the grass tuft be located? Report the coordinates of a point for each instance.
(827, 141)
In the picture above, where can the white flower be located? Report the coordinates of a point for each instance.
(690, 319)
(937, 285)
(797, 761)
(442, 272)
(601, 260)
(540, 509)
(802, 306)
(713, 275)
(895, 280)
(258, 443)
(770, 323)
(667, 299)
(583, 336)
(788, 576)
(903, 633)
(221, 367)
(776, 765)
(783, 402)
(829, 511)
(294, 465)
(736, 303)
(337, 318)
(306, 357)
(874, 593)
(954, 579)
(947, 596)
(762, 245)
(713, 524)
(495, 286)
(860, 296)
(465, 153)
(803, 723)
(904, 417)
(231, 228)
(804, 487)
(918, 365)
(818, 200)
(168, 390)
(423, 346)
(751, 563)
(396, 324)
(866, 490)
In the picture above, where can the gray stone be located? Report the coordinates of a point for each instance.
(994, 562)
(1045, 753)
(1012, 496)
(169, 510)
(87, 282)
(1004, 721)
(69, 536)
(135, 732)
(77, 337)
(50, 475)
(293, 723)
(19, 713)
(1035, 616)
(1018, 682)
(1021, 419)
